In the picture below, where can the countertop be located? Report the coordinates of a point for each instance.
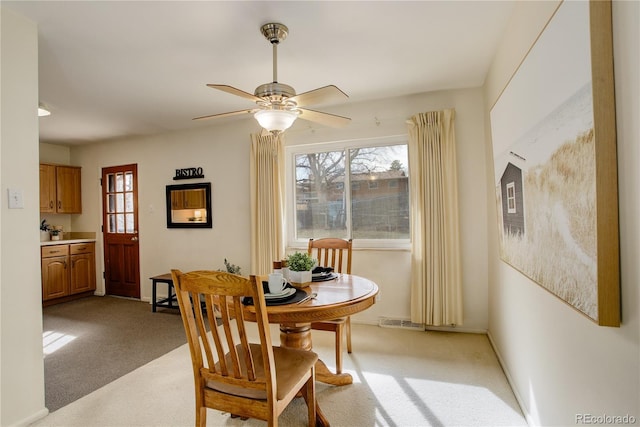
(66, 241)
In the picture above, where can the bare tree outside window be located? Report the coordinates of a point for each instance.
(379, 209)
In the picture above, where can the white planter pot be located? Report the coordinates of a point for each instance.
(44, 236)
(300, 276)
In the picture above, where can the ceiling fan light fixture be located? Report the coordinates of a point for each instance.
(275, 120)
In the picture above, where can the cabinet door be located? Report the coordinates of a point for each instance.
(68, 189)
(47, 188)
(194, 199)
(83, 277)
(55, 277)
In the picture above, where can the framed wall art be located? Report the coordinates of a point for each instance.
(555, 163)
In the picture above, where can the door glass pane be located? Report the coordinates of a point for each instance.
(380, 194)
(111, 186)
(111, 203)
(320, 196)
(129, 222)
(119, 182)
(111, 223)
(128, 181)
(119, 202)
(120, 223)
(128, 202)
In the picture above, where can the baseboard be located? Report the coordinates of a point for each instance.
(32, 418)
(526, 414)
(460, 329)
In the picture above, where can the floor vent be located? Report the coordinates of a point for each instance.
(388, 322)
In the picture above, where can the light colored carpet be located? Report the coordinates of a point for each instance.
(401, 378)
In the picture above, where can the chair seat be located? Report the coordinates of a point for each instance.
(290, 364)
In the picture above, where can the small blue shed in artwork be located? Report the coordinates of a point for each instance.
(512, 192)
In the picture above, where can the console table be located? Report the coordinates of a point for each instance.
(170, 301)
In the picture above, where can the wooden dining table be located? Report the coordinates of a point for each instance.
(345, 295)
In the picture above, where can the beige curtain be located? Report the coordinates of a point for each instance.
(436, 287)
(267, 201)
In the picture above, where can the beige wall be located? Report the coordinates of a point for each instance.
(21, 368)
(560, 363)
(222, 150)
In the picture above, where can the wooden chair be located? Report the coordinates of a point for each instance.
(336, 253)
(255, 380)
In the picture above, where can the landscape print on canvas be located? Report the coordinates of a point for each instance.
(545, 189)
(544, 159)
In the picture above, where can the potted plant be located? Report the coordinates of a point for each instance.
(44, 231)
(300, 266)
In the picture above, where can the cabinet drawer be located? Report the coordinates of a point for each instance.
(54, 250)
(81, 248)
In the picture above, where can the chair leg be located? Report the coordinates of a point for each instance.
(309, 394)
(349, 334)
(201, 416)
(339, 349)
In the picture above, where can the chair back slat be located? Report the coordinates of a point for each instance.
(328, 249)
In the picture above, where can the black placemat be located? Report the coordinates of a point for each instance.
(297, 296)
(324, 278)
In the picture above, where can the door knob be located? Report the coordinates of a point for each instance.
(134, 238)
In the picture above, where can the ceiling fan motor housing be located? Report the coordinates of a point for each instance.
(275, 92)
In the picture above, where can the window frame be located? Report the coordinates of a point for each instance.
(291, 151)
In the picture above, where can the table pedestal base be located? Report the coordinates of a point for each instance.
(298, 335)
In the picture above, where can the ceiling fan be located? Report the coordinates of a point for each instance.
(277, 104)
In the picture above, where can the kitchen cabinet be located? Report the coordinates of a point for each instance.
(68, 271)
(60, 189)
(188, 199)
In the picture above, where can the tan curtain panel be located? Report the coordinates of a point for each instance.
(436, 285)
(267, 201)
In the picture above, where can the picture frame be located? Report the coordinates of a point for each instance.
(189, 206)
(555, 163)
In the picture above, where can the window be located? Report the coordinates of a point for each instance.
(511, 198)
(374, 212)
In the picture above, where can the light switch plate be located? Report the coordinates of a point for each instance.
(16, 201)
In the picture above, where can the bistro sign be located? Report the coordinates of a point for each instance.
(188, 173)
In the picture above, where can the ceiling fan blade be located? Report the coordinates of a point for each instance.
(326, 119)
(234, 91)
(229, 114)
(321, 95)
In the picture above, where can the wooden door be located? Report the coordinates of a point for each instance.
(120, 230)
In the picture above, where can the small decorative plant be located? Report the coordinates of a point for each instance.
(300, 261)
(44, 226)
(231, 268)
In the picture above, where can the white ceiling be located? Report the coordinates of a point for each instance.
(116, 68)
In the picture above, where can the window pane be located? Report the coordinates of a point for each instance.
(380, 210)
(319, 194)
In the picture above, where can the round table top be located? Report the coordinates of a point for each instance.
(340, 297)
